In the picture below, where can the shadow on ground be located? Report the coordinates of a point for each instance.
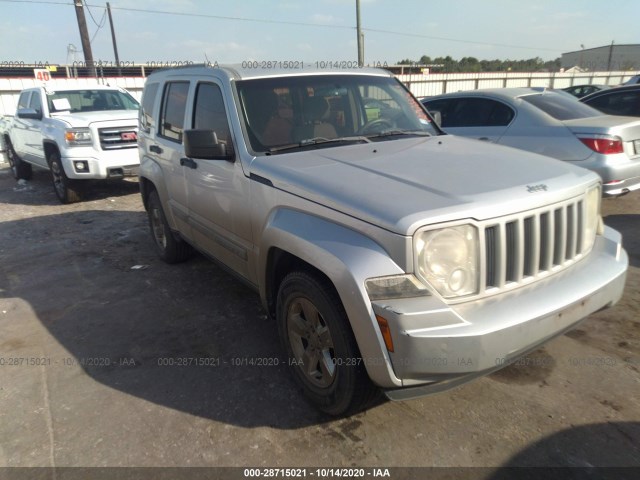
(189, 337)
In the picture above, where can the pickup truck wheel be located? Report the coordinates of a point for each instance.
(20, 169)
(66, 189)
(169, 248)
(322, 350)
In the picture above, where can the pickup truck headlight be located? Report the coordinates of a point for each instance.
(447, 259)
(78, 137)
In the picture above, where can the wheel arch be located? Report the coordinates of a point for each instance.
(50, 147)
(344, 258)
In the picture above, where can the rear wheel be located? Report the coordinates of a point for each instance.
(170, 248)
(322, 350)
(66, 189)
(21, 170)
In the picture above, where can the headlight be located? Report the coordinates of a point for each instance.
(78, 136)
(447, 259)
(592, 219)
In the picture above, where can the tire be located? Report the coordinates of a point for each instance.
(66, 190)
(21, 170)
(170, 248)
(323, 354)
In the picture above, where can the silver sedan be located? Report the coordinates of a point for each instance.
(543, 121)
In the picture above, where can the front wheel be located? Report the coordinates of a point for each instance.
(65, 188)
(323, 354)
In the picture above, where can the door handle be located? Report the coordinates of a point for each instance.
(188, 162)
(486, 139)
(155, 149)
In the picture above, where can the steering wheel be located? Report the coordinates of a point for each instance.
(375, 126)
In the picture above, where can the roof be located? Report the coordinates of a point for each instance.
(505, 93)
(255, 69)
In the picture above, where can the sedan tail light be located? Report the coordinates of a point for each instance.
(604, 144)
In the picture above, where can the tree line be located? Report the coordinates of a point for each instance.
(472, 64)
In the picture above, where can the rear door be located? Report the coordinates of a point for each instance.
(166, 149)
(475, 117)
(32, 134)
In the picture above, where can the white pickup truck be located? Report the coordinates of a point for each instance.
(78, 134)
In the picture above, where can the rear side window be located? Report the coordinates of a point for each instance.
(471, 112)
(174, 105)
(146, 109)
(618, 103)
(23, 101)
(561, 107)
(209, 112)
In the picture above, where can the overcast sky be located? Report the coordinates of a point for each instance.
(315, 30)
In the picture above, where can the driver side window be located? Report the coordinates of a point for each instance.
(209, 112)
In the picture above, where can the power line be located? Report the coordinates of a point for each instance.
(284, 22)
(473, 42)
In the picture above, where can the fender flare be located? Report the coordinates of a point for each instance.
(347, 258)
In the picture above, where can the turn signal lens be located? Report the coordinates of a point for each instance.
(385, 331)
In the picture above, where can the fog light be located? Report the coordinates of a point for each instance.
(81, 166)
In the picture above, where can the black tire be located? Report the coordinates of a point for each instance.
(66, 189)
(323, 354)
(170, 248)
(21, 170)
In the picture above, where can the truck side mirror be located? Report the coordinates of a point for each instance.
(437, 117)
(204, 144)
(30, 113)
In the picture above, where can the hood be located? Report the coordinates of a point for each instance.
(84, 119)
(401, 185)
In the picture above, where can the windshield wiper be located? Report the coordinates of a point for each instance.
(395, 132)
(307, 142)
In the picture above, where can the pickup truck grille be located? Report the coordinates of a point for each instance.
(118, 137)
(524, 247)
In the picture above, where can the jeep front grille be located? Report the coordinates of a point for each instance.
(118, 137)
(529, 245)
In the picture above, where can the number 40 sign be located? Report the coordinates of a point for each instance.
(42, 74)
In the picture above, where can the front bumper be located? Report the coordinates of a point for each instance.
(101, 165)
(438, 347)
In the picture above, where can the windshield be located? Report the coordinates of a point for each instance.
(93, 100)
(561, 107)
(287, 113)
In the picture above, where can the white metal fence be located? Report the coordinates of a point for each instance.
(421, 85)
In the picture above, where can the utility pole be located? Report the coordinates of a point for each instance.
(84, 37)
(360, 36)
(610, 57)
(113, 38)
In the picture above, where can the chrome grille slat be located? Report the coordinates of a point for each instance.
(530, 245)
(111, 138)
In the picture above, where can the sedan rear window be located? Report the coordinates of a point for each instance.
(561, 107)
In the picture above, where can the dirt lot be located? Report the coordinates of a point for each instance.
(101, 326)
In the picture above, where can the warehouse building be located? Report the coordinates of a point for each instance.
(604, 59)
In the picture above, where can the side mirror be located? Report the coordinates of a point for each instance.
(204, 144)
(437, 117)
(29, 113)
